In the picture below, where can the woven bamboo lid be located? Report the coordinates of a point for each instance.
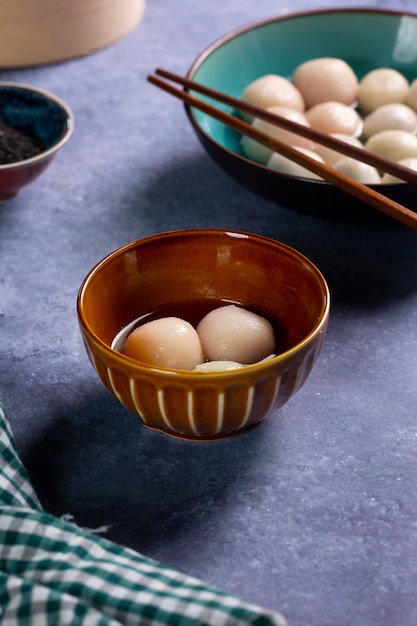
(48, 31)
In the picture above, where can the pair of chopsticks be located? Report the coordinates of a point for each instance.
(362, 192)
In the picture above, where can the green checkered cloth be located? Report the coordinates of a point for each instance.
(53, 573)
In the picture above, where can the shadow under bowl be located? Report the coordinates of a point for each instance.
(184, 273)
(42, 116)
(277, 46)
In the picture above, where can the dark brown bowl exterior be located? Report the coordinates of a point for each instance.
(317, 198)
(181, 266)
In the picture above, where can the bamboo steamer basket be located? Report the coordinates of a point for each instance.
(36, 32)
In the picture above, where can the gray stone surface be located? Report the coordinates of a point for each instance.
(314, 511)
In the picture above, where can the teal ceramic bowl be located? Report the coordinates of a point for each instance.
(365, 38)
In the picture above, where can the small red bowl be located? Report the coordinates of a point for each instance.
(45, 117)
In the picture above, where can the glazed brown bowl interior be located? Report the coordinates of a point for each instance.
(153, 277)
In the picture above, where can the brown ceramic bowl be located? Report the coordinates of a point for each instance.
(182, 272)
(40, 115)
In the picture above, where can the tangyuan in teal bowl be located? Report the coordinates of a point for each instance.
(366, 39)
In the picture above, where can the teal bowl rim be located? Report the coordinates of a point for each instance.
(281, 17)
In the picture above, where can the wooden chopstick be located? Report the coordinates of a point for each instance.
(362, 192)
(360, 154)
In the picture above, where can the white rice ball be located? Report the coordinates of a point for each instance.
(392, 116)
(324, 79)
(218, 366)
(334, 117)
(272, 90)
(329, 155)
(284, 165)
(233, 333)
(260, 153)
(165, 342)
(390, 179)
(361, 172)
(411, 98)
(381, 86)
(393, 144)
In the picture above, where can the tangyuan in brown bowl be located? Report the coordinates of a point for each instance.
(186, 275)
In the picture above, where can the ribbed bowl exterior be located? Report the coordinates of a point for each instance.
(205, 407)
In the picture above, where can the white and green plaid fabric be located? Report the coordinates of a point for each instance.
(54, 573)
